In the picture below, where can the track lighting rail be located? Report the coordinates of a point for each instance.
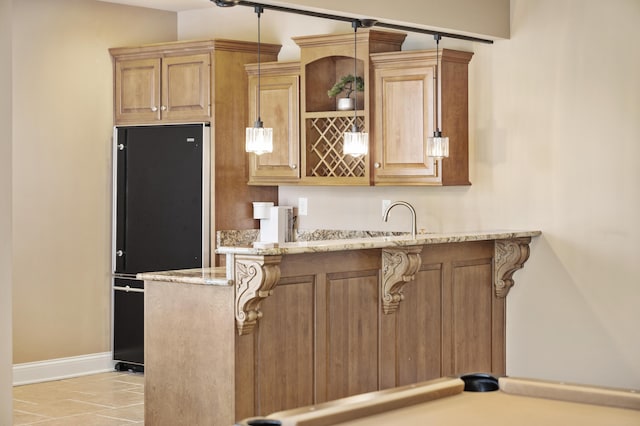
(362, 23)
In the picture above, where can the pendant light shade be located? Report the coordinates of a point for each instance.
(356, 143)
(259, 139)
(437, 145)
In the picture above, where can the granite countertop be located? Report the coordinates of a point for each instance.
(206, 276)
(343, 241)
(317, 241)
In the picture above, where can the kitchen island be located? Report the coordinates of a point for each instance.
(301, 323)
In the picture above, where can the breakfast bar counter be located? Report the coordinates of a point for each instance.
(353, 240)
(301, 323)
(204, 276)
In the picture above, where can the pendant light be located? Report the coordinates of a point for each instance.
(437, 145)
(259, 139)
(356, 143)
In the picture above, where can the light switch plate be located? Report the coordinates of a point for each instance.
(302, 206)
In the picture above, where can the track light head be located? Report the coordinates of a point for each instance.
(367, 23)
(225, 3)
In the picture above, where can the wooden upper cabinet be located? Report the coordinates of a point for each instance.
(279, 110)
(397, 108)
(152, 85)
(404, 117)
(324, 60)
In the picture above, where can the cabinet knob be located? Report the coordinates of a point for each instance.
(154, 109)
(294, 166)
(119, 253)
(121, 147)
(163, 108)
(376, 165)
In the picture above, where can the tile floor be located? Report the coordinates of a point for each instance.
(107, 399)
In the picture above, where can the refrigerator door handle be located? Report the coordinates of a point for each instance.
(120, 202)
(129, 289)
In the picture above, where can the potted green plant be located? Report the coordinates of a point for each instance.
(346, 85)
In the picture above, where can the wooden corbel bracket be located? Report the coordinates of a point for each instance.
(399, 266)
(510, 255)
(255, 278)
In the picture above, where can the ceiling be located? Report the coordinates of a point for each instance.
(171, 5)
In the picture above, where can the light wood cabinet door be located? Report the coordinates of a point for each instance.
(279, 110)
(137, 90)
(186, 88)
(404, 110)
(172, 89)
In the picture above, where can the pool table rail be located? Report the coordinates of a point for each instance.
(358, 407)
(570, 392)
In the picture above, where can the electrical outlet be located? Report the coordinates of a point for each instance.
(302, 206)
(385, 204)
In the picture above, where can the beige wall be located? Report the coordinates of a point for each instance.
(545, 107)
(62, 121)
(5, 214)
(565, 131)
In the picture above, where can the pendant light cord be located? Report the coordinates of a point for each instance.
(437, 37)
(259, 10)
(355, 25)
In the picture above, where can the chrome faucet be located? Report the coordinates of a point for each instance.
(385, 215)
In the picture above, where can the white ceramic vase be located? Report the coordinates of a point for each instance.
(345, 104)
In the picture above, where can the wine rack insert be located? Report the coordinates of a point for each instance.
(325, 137)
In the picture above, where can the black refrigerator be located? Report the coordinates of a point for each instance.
(160, 219)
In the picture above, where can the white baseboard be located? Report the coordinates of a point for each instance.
(62, 368)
